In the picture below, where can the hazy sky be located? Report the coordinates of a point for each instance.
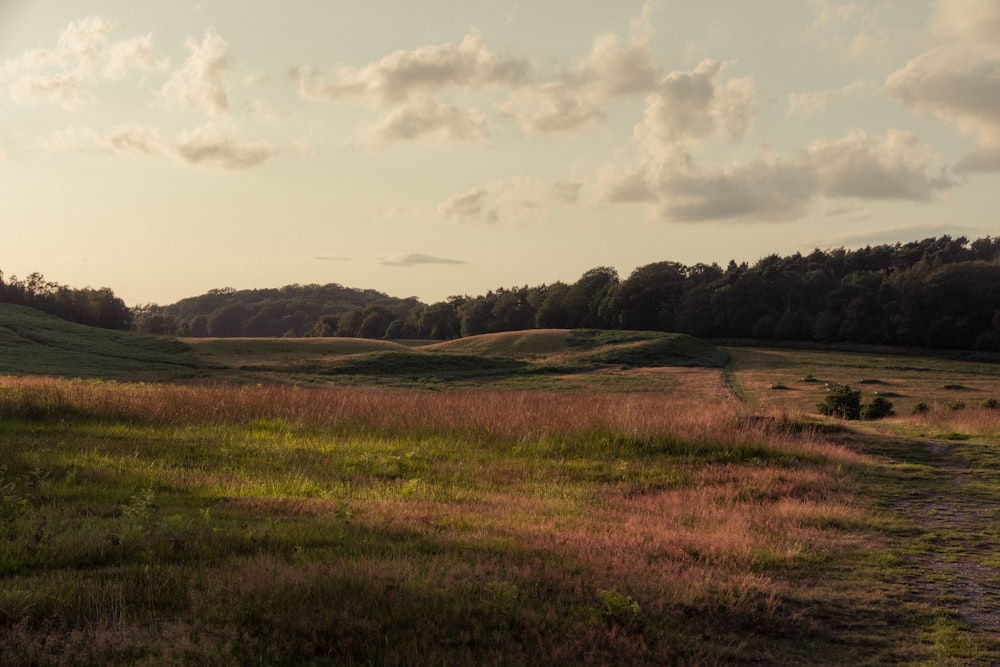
(449, 147)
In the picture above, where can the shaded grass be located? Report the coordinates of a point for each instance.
(33, 343)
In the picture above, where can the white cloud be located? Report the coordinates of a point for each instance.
(552, 108)
(958, 81)
(695, 105)
(616, 66)
(428, 117)
(893, 166)
(83, 55)
(199, 84)
(771, 188)
(424, 71)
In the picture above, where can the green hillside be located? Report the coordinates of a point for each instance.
(536, 358)
(34, 343)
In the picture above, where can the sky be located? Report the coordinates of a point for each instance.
(448, 147)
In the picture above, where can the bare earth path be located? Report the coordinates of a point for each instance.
(947, 500)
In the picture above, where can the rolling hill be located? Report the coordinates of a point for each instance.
(34, 343)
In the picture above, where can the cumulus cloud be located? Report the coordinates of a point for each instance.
(200, 83)
(958, 81)
(571, 102)
(427, 117)
(83, 55)
(402, 75)
(416, 259)
(772, 188)
(616, 66)
(892, 166)
(696, 104)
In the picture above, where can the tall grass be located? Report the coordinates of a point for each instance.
(152, 524)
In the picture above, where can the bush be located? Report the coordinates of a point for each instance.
(879, 408)
(921, 408)
(991, 404)
(842, 402)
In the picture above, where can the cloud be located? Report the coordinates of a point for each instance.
(958, 81)
(771, 188)
(852, 29)
(210, 145)
(417, 259)
(892, 166)
(520, 199)
(427, 117)
(694, 105)
(83, 55)
(214, 146)
(403, 75)
(552, 108)
(615, 67)
(467, 207)
(199, 84)
(332, 258)
(804, 104)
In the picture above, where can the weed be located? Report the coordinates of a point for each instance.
(619, 609)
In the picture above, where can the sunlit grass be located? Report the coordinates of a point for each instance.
(212, 525)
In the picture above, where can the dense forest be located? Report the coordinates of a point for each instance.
(935, 293)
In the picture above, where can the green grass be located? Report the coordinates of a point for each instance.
(159, 524)
(33, 343)
(525, 359)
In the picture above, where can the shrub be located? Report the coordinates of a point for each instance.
(879, 408)
(921, 408)
(842, 402)
(991, 404)
(956, 405)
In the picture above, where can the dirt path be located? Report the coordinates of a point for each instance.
(958, 520)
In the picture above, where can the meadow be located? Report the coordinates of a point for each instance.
(611, 513)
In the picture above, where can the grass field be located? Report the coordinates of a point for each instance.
(579, 498)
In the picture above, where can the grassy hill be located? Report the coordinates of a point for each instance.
(533, 358)
(33, 343)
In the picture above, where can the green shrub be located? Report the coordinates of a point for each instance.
(879, 408)
(921, 408)
(842, 402)
(991, 404)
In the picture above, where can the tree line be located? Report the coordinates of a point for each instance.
(94, 307)
(941, 292)
(936, 293)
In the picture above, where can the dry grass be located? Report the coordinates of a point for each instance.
(372, 526)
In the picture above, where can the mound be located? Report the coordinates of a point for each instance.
(34, 343)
